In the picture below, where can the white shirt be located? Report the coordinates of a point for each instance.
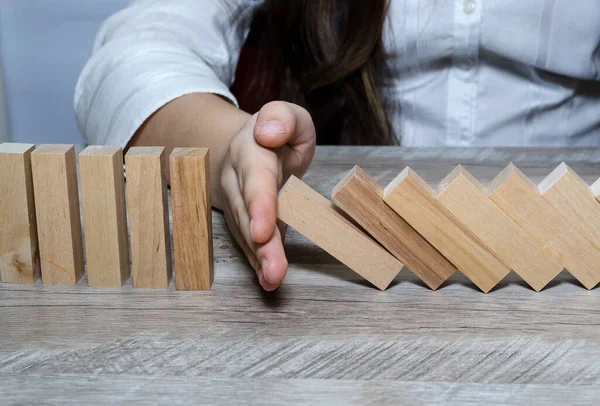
(467, 72)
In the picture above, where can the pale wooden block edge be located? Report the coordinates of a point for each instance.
(331, 209)
(24, 150)
(596, 189)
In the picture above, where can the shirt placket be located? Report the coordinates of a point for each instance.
(462, 86)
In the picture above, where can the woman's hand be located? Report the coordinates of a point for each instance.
(273, 144)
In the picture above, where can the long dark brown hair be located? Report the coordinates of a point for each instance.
(327, 56)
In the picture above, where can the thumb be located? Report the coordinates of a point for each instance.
(279, 123)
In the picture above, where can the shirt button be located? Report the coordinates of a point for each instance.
(469, 6)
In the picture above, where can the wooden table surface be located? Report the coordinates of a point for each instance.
(325, 335)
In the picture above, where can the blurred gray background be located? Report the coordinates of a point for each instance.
(44, 44)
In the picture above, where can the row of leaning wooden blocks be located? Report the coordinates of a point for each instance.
(485, 232)
(41, 221)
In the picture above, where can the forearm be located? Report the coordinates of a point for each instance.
(195, 120)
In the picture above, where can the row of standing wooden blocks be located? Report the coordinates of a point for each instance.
(41, 222)
(513, 224)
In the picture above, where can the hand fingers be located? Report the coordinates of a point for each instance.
(259, 177)
(236, 214)
(273, 262)
(260, 195)
(270, 255)
(259, 189)
(279, 123)
(235, 231)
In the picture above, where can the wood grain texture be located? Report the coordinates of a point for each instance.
(574, 200)
(315, 217)
(148, 212)
(192, 221)
(415, 201)
(19, 255)
(325, 334)
(466, 199)
(57, 213)
(150, 390)
(519, 197)
(104, 216)
(362, 199)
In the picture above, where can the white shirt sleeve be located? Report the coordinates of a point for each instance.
(153, 52)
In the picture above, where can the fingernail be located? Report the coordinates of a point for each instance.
(263, 265)
(272, 127)
(261, 280)
(252, 225)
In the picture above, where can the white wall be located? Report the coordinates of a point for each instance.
(44, 45)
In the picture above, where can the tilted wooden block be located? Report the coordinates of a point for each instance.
(519, 197)
(465, 197)
(57, 213)
(148, 211)
(316, 218)
(413, 199)
(192, 218)
(104, 216)
(362, 199)
(572, 197)
(19, 257)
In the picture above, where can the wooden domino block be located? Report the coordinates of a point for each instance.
(465, 197)
(148, 211)
(362, 199)
(19, 260)
(104, 216)
(519, 197)
(57, 212)
(192, 218)
(316, 218)
(413, 199)
(573, 199)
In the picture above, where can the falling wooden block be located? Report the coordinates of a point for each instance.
(148, 217)
(104, 216)
(192, 218)
(362, 199)
(57, 212)
(466, 199)
(316, 218)
(413, 199)
(519, 197)
(574, 200)
(19, 261)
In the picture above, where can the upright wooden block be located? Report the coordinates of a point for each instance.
(19, 256)
(574, 200)
(192, 218)
(465, 197)
(148, 217)
(104, 216)
(413, 199)
(362, 199)
(57, 212)
(316, 218)
(518, 197)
